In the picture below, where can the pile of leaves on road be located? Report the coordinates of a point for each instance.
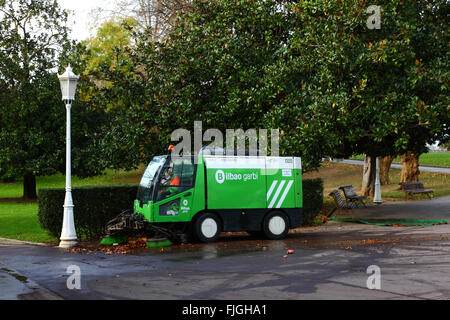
(132, 246)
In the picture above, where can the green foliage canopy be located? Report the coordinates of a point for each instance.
(313, 69)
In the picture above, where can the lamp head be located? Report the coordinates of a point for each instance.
(68, 82)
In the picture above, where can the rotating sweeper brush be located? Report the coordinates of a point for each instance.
(128, 224)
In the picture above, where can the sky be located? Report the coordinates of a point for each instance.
(80, 22)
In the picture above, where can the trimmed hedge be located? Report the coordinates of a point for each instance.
(93, 208)
(312, 199)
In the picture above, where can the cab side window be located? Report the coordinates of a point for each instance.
(176, 177)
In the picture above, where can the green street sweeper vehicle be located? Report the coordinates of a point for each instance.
(213, 192)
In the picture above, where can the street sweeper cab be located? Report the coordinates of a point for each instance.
(213, 192)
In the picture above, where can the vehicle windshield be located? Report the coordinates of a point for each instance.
(146, 185)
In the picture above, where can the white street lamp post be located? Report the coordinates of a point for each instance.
(68, 81)
(377, 193)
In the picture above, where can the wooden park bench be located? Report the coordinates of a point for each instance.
(340, 203)
(415, 188)
(350, 195)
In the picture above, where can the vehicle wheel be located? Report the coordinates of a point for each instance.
(276, 225)
(207, 227)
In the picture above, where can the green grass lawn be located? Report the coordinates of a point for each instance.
(438, 159)
(19, 221)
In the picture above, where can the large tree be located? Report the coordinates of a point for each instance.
(211, 68)
(374, 91)
(314, 70)
(32, 116)
(114, 83)
(31, 32)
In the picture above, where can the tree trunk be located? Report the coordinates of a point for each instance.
(410, 167)
(368, 181)
(385, 165)
(29, 187)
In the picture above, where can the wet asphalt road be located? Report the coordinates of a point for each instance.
(329, 262)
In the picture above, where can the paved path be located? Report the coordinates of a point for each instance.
(395, 165)
(436, 208)
(329, 262)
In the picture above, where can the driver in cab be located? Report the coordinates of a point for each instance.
(169, 182)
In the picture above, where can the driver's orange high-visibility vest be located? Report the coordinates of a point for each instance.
(175, 181)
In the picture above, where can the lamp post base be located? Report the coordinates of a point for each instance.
(377, 196)
(68, 243)
(68, 233)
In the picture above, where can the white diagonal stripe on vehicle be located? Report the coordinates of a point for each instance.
(274, 183)
(285, 193)
(277, 193)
